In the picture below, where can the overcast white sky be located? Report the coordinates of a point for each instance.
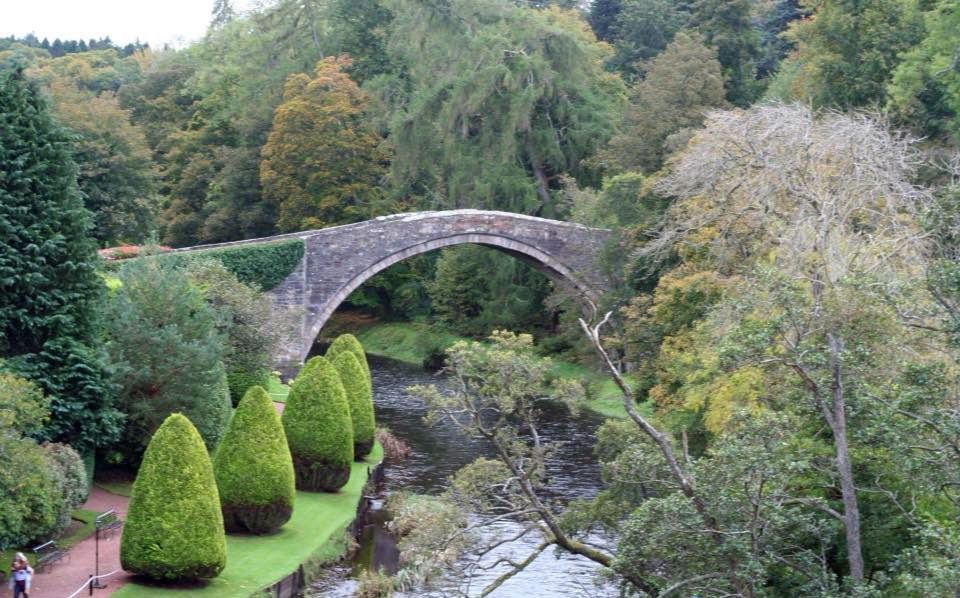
(153, 21)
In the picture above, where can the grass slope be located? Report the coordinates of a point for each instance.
(277, 390)
(411, 342)
(255, 562)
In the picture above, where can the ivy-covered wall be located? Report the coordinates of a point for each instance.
(263, 264)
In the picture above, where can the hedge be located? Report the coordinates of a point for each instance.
(318, 426)
(262, 264)
(174, 528)
(348, 342)
(360, 398)
(240, 382)
(253, 468)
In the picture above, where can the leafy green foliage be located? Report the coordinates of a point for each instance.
(727, 25)
(925, 89)
(252, 326)
(164, 345)
(640, 31)
(67, 469)
(349, 343)
(321, 163)
(48, 284)
(116, 173)
(356, 385)
(494, 103)
(318, 427)
(23, 408)
(476, 288)
(681, 85)
(849, 51)
(174, 528)
(31, 501)
(262, 265)
(254, 469)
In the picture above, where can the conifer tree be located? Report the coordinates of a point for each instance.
(253, 468)
(348, 342)
(360, 398)
(167, 353)
(174, 528)
(318, 427)
(48, 284)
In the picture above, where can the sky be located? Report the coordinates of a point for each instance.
(157, 22)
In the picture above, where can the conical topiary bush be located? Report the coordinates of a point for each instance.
(348, 342)
(253, 468)
(319, 430)
(174, 529)
(360, 398)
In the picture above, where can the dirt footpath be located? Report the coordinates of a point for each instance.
(63, 578)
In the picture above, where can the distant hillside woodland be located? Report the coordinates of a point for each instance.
(782, 176)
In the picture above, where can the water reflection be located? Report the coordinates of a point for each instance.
(439, 451)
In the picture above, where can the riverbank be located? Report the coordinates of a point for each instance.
(415, 342)
(315, 535)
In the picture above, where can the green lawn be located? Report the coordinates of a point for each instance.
(255, 562)
(120, 488)
(84, 531)
(277, 390)
(409, 342)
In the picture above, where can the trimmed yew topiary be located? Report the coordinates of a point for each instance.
(348, 342)
(319, 430)
(253, 468)
(174, 528)
(360, 398)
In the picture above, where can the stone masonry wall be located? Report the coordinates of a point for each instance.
(338, 259)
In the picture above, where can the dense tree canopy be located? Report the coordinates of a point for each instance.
(784, 301)
(497, 103)
(167, 353)
(322, 164)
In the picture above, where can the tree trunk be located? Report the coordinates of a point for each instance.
(848, 490)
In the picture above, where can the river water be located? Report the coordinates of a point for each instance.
(438, 452)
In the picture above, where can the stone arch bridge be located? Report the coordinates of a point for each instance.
(339, 259)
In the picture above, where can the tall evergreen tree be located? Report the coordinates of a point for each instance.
(925, 90)
(49, 287)
(642, 29)
(728, 26)
(681, 84)
(221, 14)
(603, 17)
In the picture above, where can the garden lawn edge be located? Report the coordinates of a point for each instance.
(313, 535)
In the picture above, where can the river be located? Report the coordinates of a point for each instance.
(439, 451)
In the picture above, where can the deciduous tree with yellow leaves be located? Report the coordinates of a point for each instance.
(322, 163)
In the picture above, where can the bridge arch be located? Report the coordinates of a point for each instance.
(542, 261)
(339, 259)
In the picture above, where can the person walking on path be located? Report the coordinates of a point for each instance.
(21, 574)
